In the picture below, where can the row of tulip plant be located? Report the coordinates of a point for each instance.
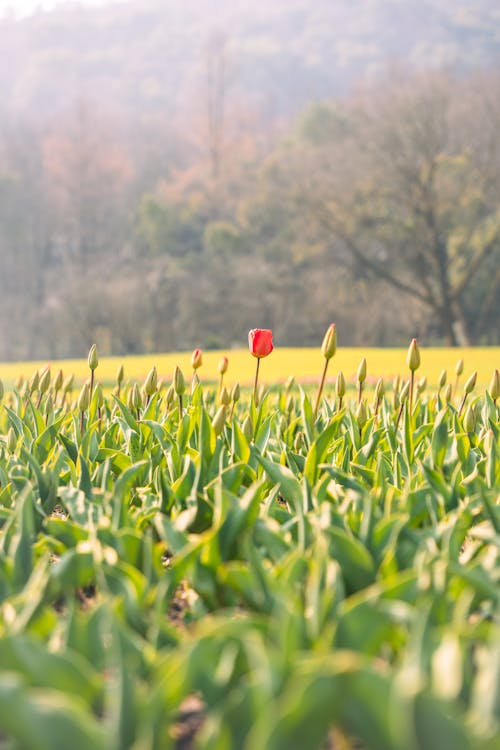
(194, 566)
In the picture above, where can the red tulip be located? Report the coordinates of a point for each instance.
(260, 342)
(196, 359)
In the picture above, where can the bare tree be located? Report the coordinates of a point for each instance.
(404, 190)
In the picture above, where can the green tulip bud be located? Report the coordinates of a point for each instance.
(44, 380)
(421, 385)
(11, 440)
(136, 398)
(120, 375)
(170, 395)
(67, 386)
(379, 389)
(151, 382)
(413, 356)
(93, 359)
(361, 415)
(225, 398)
(179, 382)
(99, 396)
(247, 428)
(447, 393)
(299, 441)
(470, 418)
(494, 388)
(361, 373)
(459, 367)
(470, 383)
(405, 390)
(219, 420)
(340, 386)
(34, 381)
(235, 393)
(442, 379)
(84, 398)
(329, 345)
(58, 381)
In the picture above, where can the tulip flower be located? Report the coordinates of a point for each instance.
(459, 368)
(361, 377)
(196, 362)
(494, 388)
(222, 368)
(260, 343)
(93, 361)
(328, 349)
(413, 362)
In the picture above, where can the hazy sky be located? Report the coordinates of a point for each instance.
(25, 7)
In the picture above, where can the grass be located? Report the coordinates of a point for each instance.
(304, 364)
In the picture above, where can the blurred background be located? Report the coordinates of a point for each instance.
(173, 173)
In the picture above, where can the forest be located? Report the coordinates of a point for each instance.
(186, 220)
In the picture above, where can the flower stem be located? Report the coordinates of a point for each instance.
(256, 381)
(320, 389)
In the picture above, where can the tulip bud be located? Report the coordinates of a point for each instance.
(447, 393)
(494, 389)
(179, 382)
(459, 367)
(99, 396)
(151, 382)
(196, 359)
(18, 383)
(136, 398)
(396, 383)
(169, 396)
(361, 415)
(235, 393)
(340, 387)
(413, 356)
(247, 428)
(84, 398)
(361, 373)
(405, 390)
(470, 418)
(329, 345)
(219, 420)
(93, 359)
(225, 398)
(379, 389)
(67, 386)
(442, 379)
(470, 383)
(44, 380)
(34, 381)
(223, 365)
(58, 381)
(120, 374)
(421, 385)
(11, 440)
(299, 441)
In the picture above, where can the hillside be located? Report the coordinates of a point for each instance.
(148, 55)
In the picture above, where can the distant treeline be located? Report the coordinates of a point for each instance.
(379, 210)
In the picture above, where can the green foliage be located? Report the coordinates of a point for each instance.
(346, 581)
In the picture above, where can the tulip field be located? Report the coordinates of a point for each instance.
(227, 559)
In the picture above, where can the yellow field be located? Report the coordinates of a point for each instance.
(304, 364)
